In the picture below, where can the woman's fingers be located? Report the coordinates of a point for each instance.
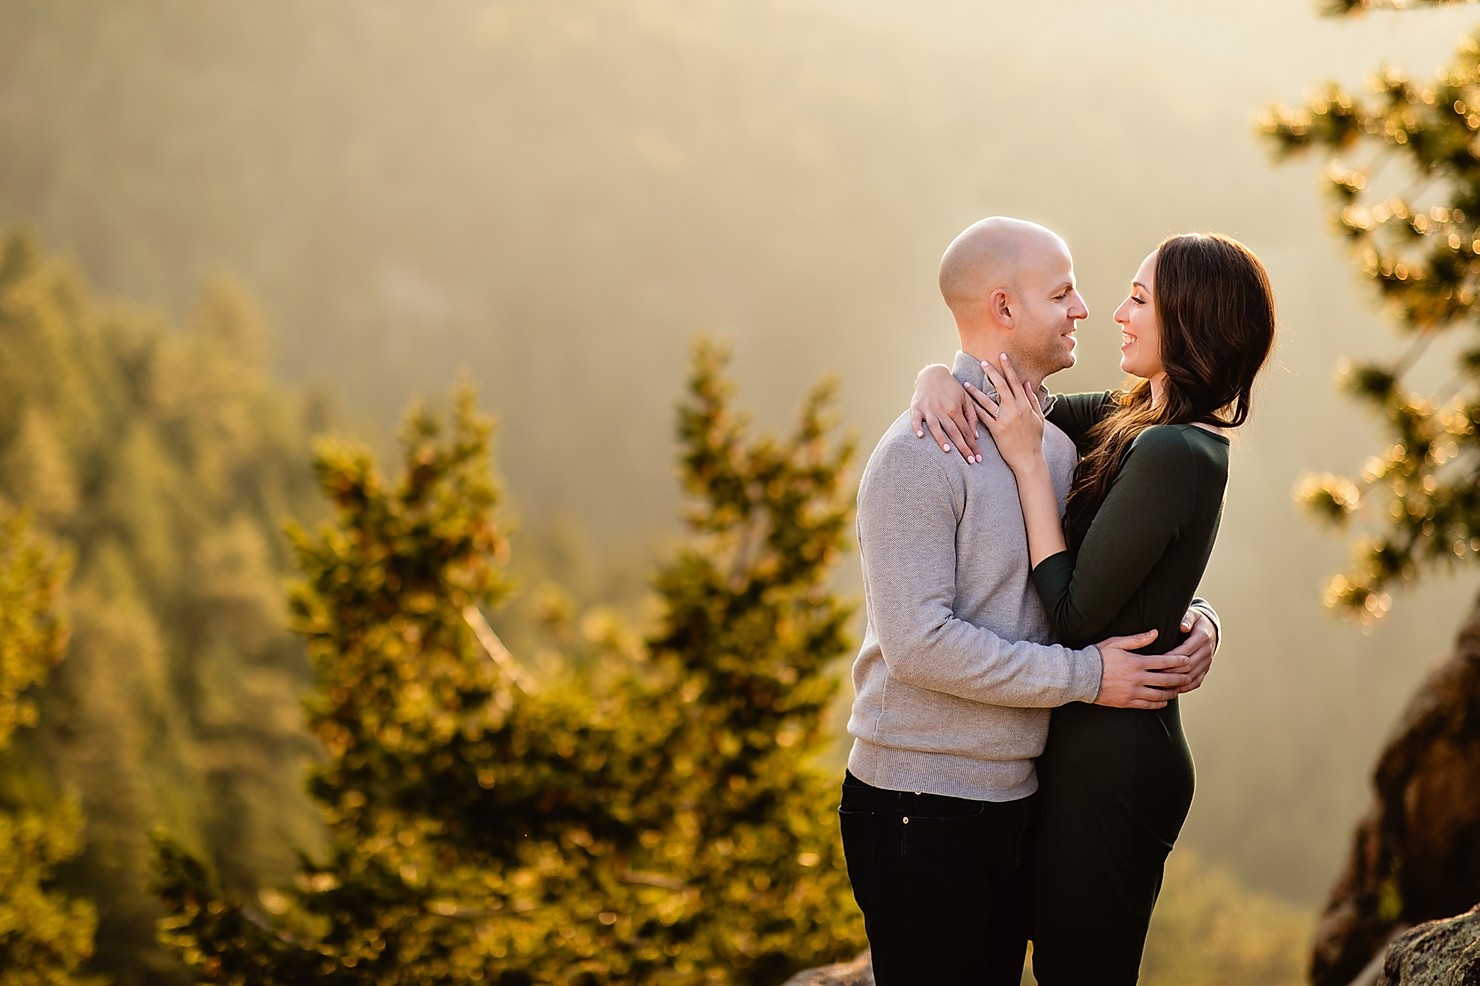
(1013, 383)
(998, 377)
(1013, 392)
(964, 415)
(1033, 402)
(986, 408)
(949, 437)
(1020, 387)
(936, 430)
(1009, 403)
(940, 406)
(997, 380)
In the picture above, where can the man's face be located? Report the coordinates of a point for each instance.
(1049, 309)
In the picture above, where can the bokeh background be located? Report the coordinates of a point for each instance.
(555, 198)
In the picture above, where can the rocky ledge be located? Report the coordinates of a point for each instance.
(1439, 953)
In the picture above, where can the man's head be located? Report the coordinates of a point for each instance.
(1010, 285)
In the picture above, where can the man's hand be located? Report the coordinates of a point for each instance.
(1135, 681)
(1199, 647)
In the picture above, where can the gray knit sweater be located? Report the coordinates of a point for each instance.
(957, 672)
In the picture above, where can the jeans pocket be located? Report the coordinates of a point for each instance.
(860, 846)
(960, 852)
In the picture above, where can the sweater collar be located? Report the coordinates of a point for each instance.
(968, 369)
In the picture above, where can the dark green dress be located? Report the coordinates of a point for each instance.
(1116, 784)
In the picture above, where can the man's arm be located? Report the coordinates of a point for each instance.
(908, 510)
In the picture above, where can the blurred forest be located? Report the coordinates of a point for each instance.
(556, 198)
(165, 462)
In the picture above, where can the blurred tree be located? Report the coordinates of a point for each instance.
(45, 936)
(164, 462)
(658, 819)
(747, 635)
(1411, 214)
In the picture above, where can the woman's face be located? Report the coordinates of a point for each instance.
(1140, 326)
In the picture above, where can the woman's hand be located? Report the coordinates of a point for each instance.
(940, 403)
(1015, 419)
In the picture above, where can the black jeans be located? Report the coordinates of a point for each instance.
(945, 884)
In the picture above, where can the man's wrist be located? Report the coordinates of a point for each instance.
(1096, 661)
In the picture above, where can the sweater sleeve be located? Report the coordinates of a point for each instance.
(1149, 503)
(1076, 414)
(908, 511)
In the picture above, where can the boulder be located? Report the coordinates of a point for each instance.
(859, 972)
(1439, 953)
(1416, 854)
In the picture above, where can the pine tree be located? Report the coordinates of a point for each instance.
(1409, 207)
(747, 641)
(45, 936)
(163, 462)
(1405, 196)
(658, 820)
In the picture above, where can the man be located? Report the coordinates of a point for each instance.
(958, 671)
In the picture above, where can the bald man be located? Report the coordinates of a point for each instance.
(958, 669)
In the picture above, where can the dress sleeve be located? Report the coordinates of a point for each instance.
(1076, 414)
(1149, 503)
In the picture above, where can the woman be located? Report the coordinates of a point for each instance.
(1142, 514)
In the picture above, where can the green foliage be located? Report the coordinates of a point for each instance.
(163, 463)
(45, 935)
(1410, 214)
(748, 632)
(32, 635)
(657, 820)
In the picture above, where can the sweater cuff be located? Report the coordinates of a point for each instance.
(1088, 672)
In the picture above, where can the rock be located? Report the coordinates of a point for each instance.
(1416, 855)
(859, 972)
(1439, 953)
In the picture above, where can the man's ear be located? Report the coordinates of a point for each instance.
(1001, 307)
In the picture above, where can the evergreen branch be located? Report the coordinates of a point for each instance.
(1340, 8)
(495, 649)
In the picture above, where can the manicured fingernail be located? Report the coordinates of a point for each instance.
(919, 433)
(945, 448)
(1004, 357)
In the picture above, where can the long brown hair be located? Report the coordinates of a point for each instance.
(1216, 310)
